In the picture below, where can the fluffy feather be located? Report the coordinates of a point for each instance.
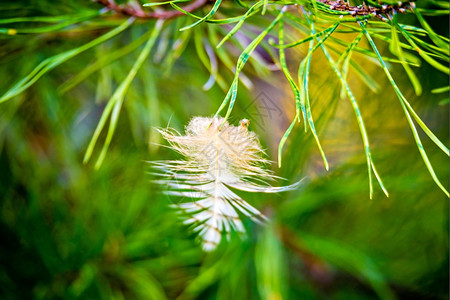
(218, 156)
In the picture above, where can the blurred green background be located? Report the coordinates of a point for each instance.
(69, 231)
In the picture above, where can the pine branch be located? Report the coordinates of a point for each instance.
(135, 10)
(365, 9)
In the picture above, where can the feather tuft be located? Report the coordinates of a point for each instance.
(218, 157)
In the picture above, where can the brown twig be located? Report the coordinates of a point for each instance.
(365, 10)
(319, 271)
(135, 10)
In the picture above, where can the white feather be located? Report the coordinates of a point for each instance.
(219, 156)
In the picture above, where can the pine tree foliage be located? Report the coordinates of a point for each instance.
(318, 19)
